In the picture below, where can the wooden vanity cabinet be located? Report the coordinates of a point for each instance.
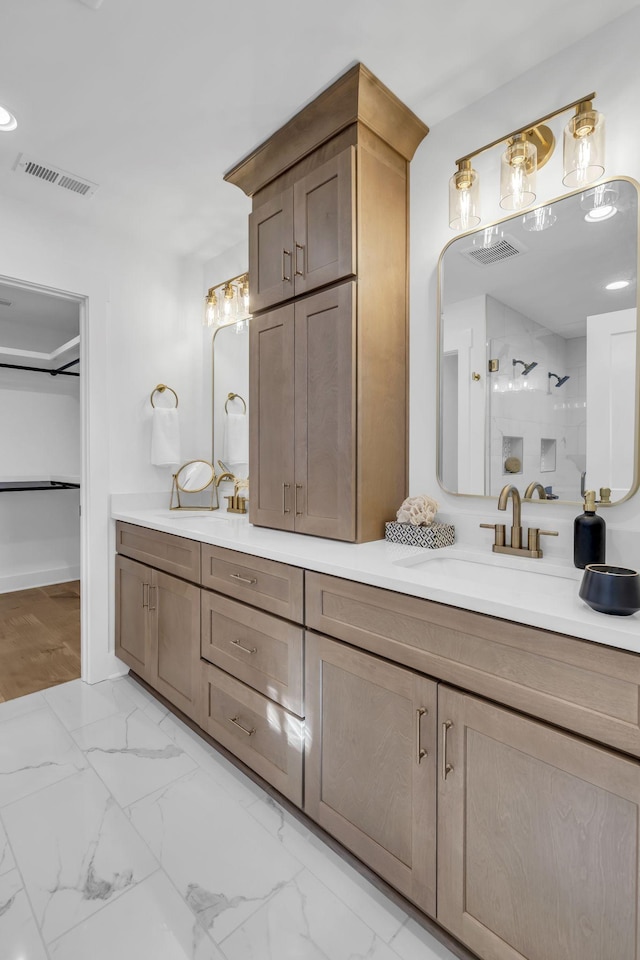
(370, 775)
(302, 389)
(537, 838)
(304, 236)
(158, 631)
(330, 195)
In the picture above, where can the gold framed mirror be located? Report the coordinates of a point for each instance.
(194, 477)
(538, 353)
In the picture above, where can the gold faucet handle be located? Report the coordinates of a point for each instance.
(533, 538)
(500, 530)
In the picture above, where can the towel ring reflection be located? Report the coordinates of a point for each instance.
(234, 396)
(161, 389)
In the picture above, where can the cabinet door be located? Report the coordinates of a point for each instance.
(538, 838)
(133, 584)
(370, 771)
(271, 252)
(271, 419)
(324, 497)
(174, 610)
(324, 223)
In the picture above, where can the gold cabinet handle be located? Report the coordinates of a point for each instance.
(236, 643)
(285, 508)
(236, 576)
(298, 512)
(286, 253)
(446, 767)
(420, 753)
(155, 597)
(299, 273)
(145, 594)
(234, 721)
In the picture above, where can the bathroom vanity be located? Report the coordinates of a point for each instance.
(485, 767)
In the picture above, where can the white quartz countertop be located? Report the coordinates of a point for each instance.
(542, 593)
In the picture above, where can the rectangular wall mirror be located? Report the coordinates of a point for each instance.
(537, 349)
(230, 441)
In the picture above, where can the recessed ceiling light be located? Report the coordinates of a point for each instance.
(7, 120)
(617, 285)
(601, 213)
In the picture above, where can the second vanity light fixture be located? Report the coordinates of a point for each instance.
(528, 149)
(227, 302)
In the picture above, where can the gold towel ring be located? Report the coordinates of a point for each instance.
(161, 389)
(235, 396)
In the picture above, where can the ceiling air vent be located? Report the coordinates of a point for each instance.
(55, 176)
(494, 252)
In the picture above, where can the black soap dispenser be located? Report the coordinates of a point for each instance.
(589, 534)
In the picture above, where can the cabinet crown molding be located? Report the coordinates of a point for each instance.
(355, 97)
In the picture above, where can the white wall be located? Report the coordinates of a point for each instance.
(39, 438)
(605, 62)
(140, 324)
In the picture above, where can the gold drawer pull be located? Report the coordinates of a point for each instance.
(236, 576)
(420, 752)
(234, 721)
(447, 768)
(237, 644)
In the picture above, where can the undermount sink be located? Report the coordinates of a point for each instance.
(479, 573)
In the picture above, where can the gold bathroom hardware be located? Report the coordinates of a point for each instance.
(475, 376)
(161, 389)
(236, 643)
(605, 495)
(234, 396)
(421, 753)
(533, 534)
(236, 503)
(237, 576)
(447, 768)
(534, 487)
(234, 721)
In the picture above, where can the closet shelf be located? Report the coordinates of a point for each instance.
(46, 483)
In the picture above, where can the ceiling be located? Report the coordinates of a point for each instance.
(154, 99)
(36, 323)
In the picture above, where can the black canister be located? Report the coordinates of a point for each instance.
(589, 534)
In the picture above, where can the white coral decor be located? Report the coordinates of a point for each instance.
(420, 511)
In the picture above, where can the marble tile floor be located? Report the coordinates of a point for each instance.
(125, 836)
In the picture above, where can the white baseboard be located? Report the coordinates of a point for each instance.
(38, 578)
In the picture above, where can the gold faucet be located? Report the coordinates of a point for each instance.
(224, 476)
(534, 487)
(534, 533)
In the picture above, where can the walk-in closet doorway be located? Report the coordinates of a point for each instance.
(41, 460)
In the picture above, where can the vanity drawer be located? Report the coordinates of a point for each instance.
(257, 648)
(573, 683)
(259, 732)
(165, 551)
(272, 586)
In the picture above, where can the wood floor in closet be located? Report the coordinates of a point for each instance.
(39, 638)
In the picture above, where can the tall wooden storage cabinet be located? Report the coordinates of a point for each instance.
(328, 237)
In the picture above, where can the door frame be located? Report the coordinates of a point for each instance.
(97, 659)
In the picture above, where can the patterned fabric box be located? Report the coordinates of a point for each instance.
(433, 537)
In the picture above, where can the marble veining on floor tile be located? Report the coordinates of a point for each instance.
(129, 837)
(35, 751)
(221, 860)
(77, 851)
(132, 755)
(19, 936)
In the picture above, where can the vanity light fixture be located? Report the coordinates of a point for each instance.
(535, 221)
(7, 120)
(527, 150)
(227, 302)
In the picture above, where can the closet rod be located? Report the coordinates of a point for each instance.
(62, 371)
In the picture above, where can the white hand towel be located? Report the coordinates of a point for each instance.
(165, 437)
(236, 438)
